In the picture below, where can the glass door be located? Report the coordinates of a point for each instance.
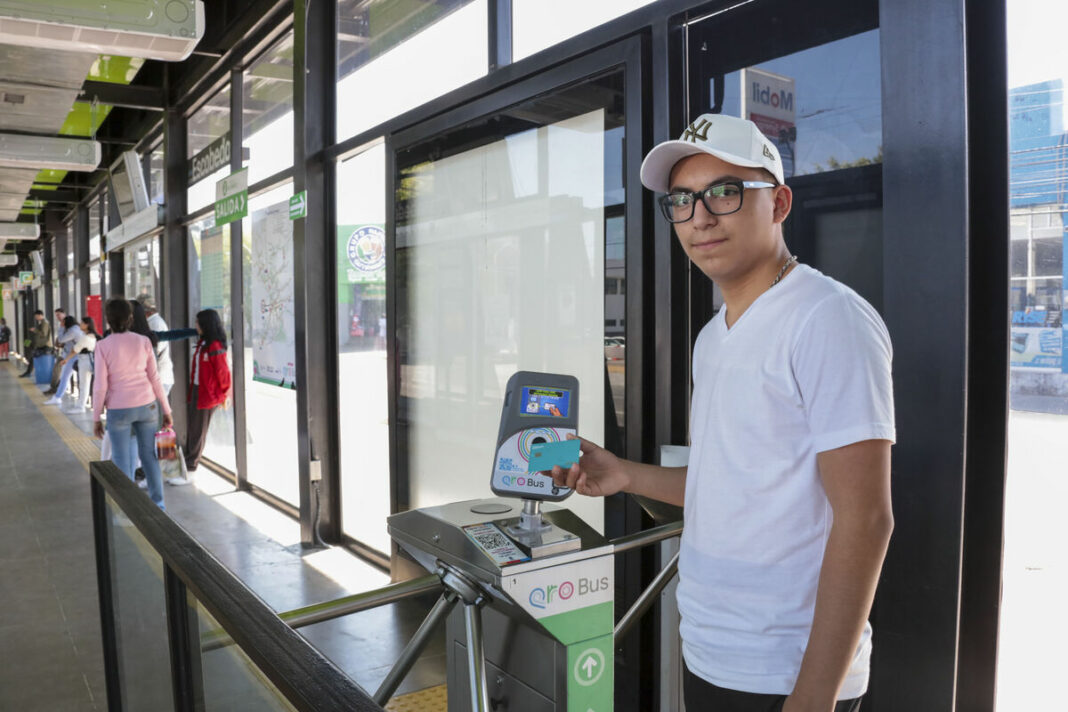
(509, 256)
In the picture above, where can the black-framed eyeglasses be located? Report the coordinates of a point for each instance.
(719, 199)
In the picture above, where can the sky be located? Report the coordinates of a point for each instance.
(1037, 50)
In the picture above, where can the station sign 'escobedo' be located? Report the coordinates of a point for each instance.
(215, 156)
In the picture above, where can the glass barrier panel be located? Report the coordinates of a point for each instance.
(513, 232)
(1034, 582)
(537, 24)
(361, 313)
(232, 682)
(381, 40)
(139, 605)
(208, 123)
(209, 288)
(267, 111)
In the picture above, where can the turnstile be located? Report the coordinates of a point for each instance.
(535, 631)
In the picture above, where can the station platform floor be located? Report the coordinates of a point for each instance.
(51, 658)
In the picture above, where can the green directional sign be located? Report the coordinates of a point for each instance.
(231, 198)
(25, 278)
(298, 206)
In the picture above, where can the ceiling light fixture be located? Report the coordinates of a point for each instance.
(20, 231)
(61, 154)
(152, 29)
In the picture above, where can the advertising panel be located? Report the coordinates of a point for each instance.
(214, 271)
(273, 338)
(361, 255)
(1036, 348)
(769, 101)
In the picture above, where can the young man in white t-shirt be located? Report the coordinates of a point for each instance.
(787, 490)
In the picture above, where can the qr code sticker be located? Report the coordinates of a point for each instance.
(492, 540)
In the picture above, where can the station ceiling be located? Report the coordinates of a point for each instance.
(117, 100)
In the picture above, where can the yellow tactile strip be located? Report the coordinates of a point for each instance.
(85, 448)
(432, 699)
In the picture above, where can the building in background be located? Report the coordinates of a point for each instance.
(1038, 181)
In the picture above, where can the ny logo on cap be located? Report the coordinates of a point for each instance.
(767, 152)
(700, 131)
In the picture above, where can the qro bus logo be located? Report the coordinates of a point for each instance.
(543, 597)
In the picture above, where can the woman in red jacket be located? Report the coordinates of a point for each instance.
(209, 386)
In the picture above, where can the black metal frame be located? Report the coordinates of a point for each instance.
(988, 362)
(307, 679)
(623, 515)
(237, 292)
(929, 594)
(314, 279)
(80, 235)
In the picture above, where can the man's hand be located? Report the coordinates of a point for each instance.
(98, 430)
(598, 474)
(168, 421)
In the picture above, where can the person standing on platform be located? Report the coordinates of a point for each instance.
(5, 340)
(787, 491)
(127, 384)
(163, 349)
(40, 340)
(209, 387)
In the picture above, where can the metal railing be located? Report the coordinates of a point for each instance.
(209, 611)
(161, 596)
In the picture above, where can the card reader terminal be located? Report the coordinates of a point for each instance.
(538, 408)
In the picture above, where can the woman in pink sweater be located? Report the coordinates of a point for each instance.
(127, 383)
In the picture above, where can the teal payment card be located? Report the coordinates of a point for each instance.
(543, 456)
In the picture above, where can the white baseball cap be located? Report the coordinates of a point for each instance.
(728, 138)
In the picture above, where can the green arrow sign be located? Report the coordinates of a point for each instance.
(298, 206)
(231, 198)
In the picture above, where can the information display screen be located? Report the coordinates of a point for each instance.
(555, 402)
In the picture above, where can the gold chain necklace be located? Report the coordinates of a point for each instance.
(785, 266)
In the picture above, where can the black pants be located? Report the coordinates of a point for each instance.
(703, 696)
(34, 353)
(196, 434)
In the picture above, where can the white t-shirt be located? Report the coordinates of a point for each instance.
(805, 369)
(163, 351)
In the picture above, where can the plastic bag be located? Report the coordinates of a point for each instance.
(105, 446)
(167, 453)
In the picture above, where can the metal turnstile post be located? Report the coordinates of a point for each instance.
(414, 648)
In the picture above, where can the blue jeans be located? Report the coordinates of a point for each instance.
(128, 427)
(65, 376)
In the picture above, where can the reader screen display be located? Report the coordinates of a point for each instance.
(555, 402)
